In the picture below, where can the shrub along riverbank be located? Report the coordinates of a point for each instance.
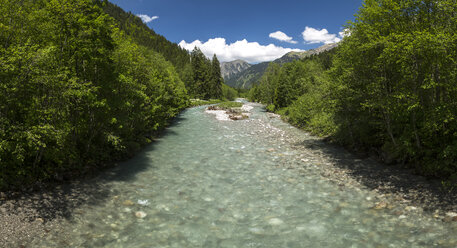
(389, 87)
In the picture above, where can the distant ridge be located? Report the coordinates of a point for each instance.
(230, 69)
(245, 76)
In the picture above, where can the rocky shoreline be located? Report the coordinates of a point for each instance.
(396, 187)
(24, 216)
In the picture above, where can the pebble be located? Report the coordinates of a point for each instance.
(300, 228)
(256, 230)
(344, 204)
(448, 218)
(127, 203)
(140, 214)
(451, 214)
(275, 222)
(380, 205)
(143, 202)
(410, 208)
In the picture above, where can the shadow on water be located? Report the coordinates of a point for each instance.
(387, 179)
(61, 199)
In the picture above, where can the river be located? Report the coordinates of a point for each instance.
(213, 183)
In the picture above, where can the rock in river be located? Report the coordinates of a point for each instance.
(275, 222)
(127, 203)
(140, 214)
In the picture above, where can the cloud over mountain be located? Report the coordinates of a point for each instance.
(315, 36)
(252, 52)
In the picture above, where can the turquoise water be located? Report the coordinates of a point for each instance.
(211, 183)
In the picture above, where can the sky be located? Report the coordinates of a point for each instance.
(251, 30)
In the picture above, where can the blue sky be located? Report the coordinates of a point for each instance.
(252, 30)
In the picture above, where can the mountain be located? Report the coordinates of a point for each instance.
(230, 69)
(246, 78)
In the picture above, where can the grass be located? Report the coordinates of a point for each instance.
(199, 102)
(229, 105)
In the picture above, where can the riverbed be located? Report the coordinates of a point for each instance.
(258, 182)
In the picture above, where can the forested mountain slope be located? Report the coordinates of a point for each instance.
(134, 27)
(251, 75)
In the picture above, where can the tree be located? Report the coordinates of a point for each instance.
(74, 91)
(216, 79)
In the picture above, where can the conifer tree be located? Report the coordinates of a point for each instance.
(216, 79)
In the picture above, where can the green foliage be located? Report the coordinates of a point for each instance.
(396, 75)
(198, 102)
(229, 93)
(389, 87)
(203, 77)
(142, 35)
(75, 91)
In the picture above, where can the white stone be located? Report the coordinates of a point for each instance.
(143, 202)
(220, 114)
(256, 230)
(275, 222)
(410, 208)
(451, 214)
(246, 108)
(300, 228)
(140, 214)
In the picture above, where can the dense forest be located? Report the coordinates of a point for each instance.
(82, 83)
(389, 88)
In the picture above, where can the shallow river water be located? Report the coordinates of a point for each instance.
(212, 183)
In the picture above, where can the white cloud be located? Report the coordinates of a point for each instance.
(282, 37)
(344, 33)
(146, 18)
(314, 36)
(251, 52)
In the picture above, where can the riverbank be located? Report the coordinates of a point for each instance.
(396, 182)
(36, 215)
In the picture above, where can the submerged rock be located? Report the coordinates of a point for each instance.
(381, 205)
(140, 214)
(275, 222)
(256, 230)
(127, 203)
(238, 117)
(410, 208)
(143, 202)
(450, 217)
